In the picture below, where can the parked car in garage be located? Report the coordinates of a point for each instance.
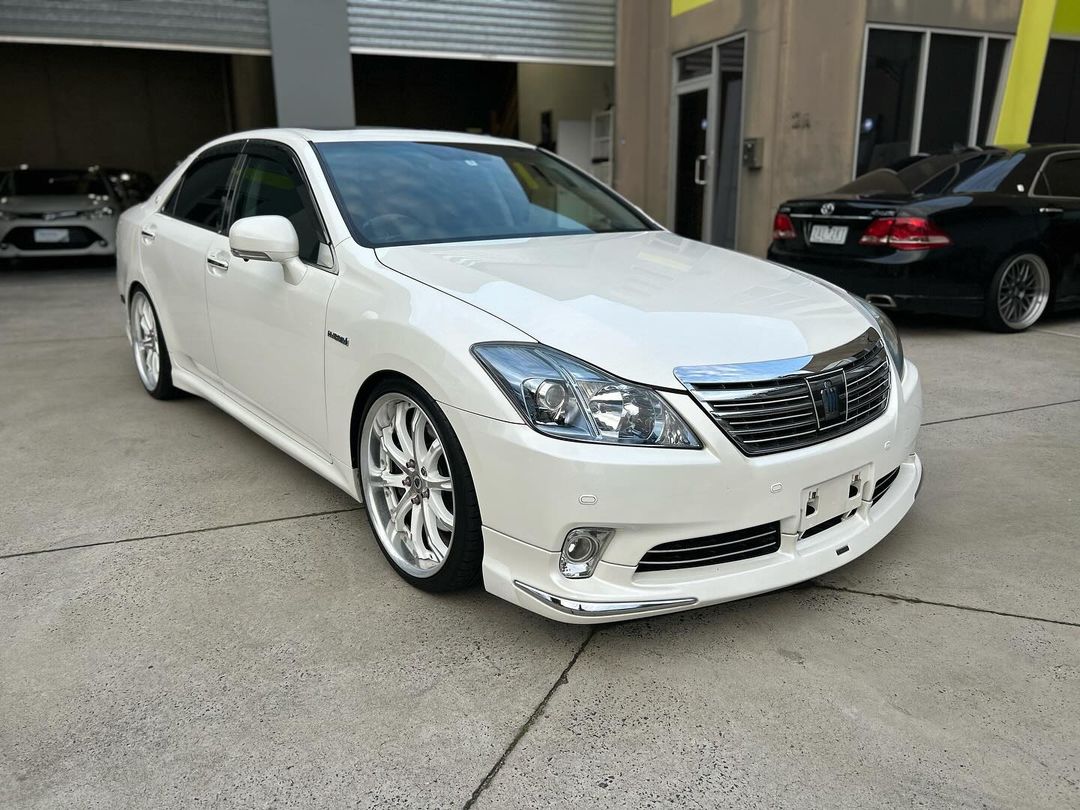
(57, 212)
(991, 233)
(522, 376)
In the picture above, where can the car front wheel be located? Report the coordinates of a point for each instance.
(417, 489)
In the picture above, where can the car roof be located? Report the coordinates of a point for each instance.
(297, 136)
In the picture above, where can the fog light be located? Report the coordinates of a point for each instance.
(581, 551)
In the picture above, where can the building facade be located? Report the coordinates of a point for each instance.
(725, 108)
(142, 82)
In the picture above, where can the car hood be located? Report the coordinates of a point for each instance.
(638, 304)
(50, 204)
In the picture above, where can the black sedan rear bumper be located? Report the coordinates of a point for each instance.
(929, 281)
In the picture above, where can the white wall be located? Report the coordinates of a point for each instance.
(569, 91)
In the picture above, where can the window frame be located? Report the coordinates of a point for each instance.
(1042, 169)
(926, 33)
(234, 148)
(277, 150)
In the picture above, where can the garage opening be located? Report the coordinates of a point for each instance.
(135, 108)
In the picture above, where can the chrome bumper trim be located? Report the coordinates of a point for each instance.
(572, 607)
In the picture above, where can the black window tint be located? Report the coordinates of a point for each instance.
(888, 106)
(1061, 177)
(992, 175)
(200, 197)
(271, 186)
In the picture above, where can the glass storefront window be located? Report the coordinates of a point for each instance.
(926, 92)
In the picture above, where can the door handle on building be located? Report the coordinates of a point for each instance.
(699, 169)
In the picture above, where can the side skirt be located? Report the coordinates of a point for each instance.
(339, 474)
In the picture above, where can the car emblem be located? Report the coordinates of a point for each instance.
(827, 208)
(829, 393)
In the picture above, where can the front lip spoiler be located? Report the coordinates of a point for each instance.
(574, 607)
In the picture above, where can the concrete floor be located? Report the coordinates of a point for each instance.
(189, 617)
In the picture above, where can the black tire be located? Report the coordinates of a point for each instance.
(997, 320)
(162, 387)
(461, 567)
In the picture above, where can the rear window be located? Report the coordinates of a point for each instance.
(992, 174)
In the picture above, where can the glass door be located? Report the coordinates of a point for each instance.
(691, 159)
(706, 142)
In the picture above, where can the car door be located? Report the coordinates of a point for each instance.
(1056, 193)
(269, 336)
(174, 245)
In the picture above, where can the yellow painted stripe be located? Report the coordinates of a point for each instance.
(682, 6)
(1025, 71)
(1067, 19)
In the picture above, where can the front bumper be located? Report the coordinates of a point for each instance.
(85, 237)
(539, 488)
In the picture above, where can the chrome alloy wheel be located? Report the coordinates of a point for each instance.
(407, 484)
(144, 340)
(1023, 291)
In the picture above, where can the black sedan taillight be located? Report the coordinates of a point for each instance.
(904, 233)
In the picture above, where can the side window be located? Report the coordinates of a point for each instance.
(200, 197)
(274, 186)
(1061, 177)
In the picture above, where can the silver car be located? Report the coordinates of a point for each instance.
(57, 212)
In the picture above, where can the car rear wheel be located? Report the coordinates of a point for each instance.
(1018, 294)
(417, 489)
(151, 353)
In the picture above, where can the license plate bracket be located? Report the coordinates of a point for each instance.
(833, 498)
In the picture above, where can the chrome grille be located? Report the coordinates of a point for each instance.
(820, 398)
(717, 548)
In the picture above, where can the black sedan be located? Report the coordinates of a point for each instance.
(991, 233)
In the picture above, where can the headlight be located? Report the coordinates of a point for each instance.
(887, 330)
(97, 213)
(563, 397)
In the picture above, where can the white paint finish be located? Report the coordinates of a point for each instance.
(636, 305)
(269, 337)
(173, 255)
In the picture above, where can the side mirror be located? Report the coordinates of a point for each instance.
(269, 239)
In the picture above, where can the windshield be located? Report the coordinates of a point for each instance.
(51, 182)
(406, 193)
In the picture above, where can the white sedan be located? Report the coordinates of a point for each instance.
(524, 378)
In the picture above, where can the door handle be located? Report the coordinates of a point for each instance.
(216, 263)
(1051, 211)
(148, 235)
(699, 169)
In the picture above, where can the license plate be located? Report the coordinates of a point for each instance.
(51, 235)
(835, 498)
(828, 234)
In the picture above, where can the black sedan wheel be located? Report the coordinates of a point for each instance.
(1018, 294)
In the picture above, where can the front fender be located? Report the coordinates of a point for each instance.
(395, 323)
